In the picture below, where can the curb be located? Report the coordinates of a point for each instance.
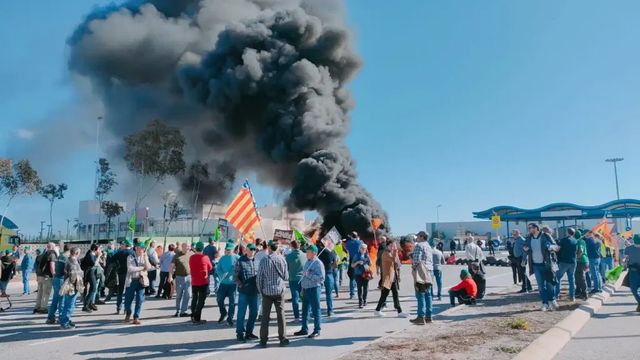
(549, 344)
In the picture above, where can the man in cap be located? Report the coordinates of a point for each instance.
(180, 269)
(245, 278)
(227, 288)
(120, 259)
(211, 251)
(422, 266)
(272, 276)
(465, 291)
(352, 245)
(313, 276)
(632, 261)
(199, 265)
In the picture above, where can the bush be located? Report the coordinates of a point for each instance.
(518, 324)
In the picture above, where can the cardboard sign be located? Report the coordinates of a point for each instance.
(282, 236)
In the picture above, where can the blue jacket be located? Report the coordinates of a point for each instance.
(358, 270)
(27, 263)
(568, 250)
(593, 247)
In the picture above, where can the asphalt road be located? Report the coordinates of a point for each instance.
(103, 335)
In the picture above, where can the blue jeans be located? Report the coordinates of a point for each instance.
(438, 275)
(337, 272)
(295, 288)
(224, 291)
(570, 270)
(26, 288)
(68, 305)
(250, 301)
(606, 264)
(311, 303)
(425, 306)
(329, 281)
(634, 284)
(56, 300)
(121, 291)
(545, 289)
(134, 290)
(594, 269)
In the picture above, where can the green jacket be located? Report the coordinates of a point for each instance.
(295, 262)
(582, 249)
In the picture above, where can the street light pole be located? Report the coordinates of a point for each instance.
(438, 216)
(615, 171)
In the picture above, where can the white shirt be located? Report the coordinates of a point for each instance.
(536, 250)
(473, 252)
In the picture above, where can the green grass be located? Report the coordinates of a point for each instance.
(508, 349)
(518, 324)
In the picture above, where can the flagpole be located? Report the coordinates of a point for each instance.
(255, 207)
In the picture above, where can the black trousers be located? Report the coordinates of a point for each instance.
(267, 302)
(198, 296)
(461, 295)
(384, 293)
(363, 289)
(522, 273)
(581, 281)
(151, 290)
(163, 280)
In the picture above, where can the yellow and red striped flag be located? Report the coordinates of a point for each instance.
(242, 213)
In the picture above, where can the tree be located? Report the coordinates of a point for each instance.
(154, 153)
(106, 181)
(172, 208)
(15, 180)
(52, 193)
(198, 172)
(111, 209)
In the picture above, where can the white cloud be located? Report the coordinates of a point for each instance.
(25, 134)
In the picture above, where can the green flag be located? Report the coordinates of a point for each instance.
(216, 234)
(132, 223)
(299, 236)
(614, 274)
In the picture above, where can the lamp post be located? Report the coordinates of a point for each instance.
(615, 172)
(438, 216)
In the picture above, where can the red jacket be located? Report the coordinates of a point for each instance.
(200, 265)
(468, 285)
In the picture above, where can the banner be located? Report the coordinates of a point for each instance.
(282, 236)
(332, 238)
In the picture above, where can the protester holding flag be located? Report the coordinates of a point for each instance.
(295, 262)
(312, 279)
(227, 289)
(329, 260)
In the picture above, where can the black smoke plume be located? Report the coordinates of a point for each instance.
(254, 84)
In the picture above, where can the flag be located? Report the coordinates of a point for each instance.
(242, 213)
(603, 229)
(376, 222)
(614, 274)
(331, 239)
(132, 223)
(216, 234)
(147, 243)
(299, 236)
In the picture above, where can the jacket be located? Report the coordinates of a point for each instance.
(390, 268)
(546, 241)
(245, 276)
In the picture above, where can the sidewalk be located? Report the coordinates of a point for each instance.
(613, 332)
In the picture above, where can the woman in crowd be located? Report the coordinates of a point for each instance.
(361, 264)
(137, 280)
(72, 287)
(390, 278)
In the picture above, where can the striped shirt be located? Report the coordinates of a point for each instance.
(272, 275)
(422, 253)
(313, 274)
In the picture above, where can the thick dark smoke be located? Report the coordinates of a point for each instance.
(254, 84)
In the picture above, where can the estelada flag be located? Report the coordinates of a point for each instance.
(242, 213)
(603, 229)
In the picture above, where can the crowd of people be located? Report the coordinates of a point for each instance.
(255, 277)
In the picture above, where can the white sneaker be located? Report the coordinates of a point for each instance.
(554, 305)
(403, 315)
(544, 308)
(379, 314)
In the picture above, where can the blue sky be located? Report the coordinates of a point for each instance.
(465, 104)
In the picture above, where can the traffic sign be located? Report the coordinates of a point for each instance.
(495, 222)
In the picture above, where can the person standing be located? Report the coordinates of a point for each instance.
(180, 270)
(227, 289)
(606, 259)
(45, 283)
(7, 271)
(272, 276)
(26, 266)
(137, 280)
(329, 260)
(593, 253)
(520, 258)
(121, 259)
(475, 255)
(211, 251)
(390, 263)
(352, 245)
(453, 247)
(582, 266)
(152, 255)
(262, 251)
(567, 263)
(313, 276)
(72, 287)
(422, 266)
(199, 266)
(58, 280)
(539, 246)
(295, 263)
(632, 261)
(438, 261)
(361, 264)
(245, 278)
(87, 264)
(343, 259)
(165, 266)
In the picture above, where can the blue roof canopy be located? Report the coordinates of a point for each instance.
(623, 208)
(8, 224)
